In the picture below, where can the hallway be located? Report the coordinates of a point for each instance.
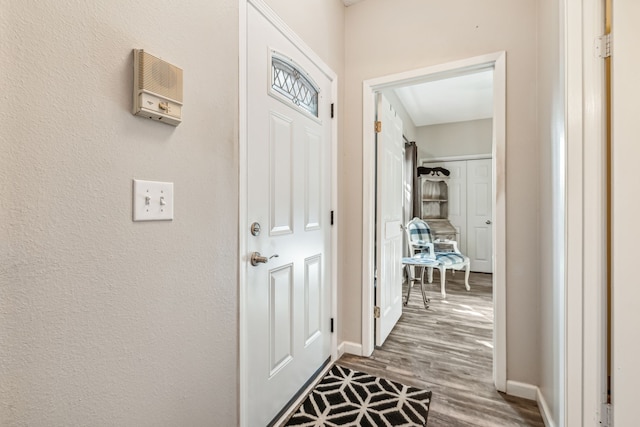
(447, 349)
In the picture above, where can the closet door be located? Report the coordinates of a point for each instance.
(479, 215)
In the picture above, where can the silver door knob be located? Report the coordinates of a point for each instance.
(256, 258)
(488, 222)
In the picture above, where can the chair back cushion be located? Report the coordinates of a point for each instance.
(419, 231)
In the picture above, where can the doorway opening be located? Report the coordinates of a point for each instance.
(497, 64)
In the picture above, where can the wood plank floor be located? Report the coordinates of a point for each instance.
(447, 349)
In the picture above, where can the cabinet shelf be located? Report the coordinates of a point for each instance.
(434, 197)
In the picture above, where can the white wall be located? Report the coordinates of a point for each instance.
(455, 139)
(626, 205)
(418, 34)
(106, 321)
(551, 132)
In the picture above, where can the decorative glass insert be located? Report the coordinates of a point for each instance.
(294, 85)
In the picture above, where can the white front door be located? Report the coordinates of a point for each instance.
(479, 215)
(288, 152)
(390, 157)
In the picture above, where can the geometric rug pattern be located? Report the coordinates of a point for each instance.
(346, 397)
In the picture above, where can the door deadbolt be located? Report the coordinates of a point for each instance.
(255, 229)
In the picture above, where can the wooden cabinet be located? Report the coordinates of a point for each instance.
(435, 198)
(435, 207)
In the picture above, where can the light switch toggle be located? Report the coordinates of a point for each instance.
(152, 200)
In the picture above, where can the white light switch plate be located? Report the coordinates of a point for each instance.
(152, 200)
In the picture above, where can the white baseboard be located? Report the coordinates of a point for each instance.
(340, 350)
(532, 392)
(349, 348)
(544, 410)
(524, 390)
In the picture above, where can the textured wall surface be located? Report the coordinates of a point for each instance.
(104, 321)
(384, 38)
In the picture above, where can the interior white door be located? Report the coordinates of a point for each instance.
(288, 174)
(479, 215)
(390, 156)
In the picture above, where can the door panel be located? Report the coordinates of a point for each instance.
(287, 305)
(280, 317)
(312, 298)
(313, 183)
(281, 180)
(479, 215)
(389, 240)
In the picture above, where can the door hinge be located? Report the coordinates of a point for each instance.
(603, 46)
(332, 325)
(376, 312)
(378, 126)
(332, 110)
(331, 217)
(605, 415)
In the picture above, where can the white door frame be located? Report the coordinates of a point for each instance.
(369, 87)
(243, 227)
(583, 361)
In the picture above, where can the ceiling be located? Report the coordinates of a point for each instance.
(455, 99)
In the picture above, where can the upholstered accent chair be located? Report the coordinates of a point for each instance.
(445, 253)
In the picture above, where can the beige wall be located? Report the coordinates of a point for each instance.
(551, 240)
(419, 33)
(105, 321)
(455, 139)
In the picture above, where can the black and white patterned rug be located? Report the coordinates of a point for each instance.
(350, 398)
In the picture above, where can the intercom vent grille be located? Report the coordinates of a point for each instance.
(160, 77)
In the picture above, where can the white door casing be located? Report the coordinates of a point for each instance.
(286, 301)
(479, 215)
(390, 157)
(496, 60)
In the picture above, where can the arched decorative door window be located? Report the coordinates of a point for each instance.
(290, 81)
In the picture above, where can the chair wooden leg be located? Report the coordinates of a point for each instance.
(466, 276)
(430, 274)
(443, 277)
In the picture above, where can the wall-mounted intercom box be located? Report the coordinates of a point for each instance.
(157, 88)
